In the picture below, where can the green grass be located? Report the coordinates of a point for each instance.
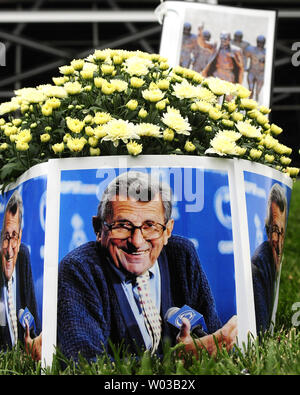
(277, 354)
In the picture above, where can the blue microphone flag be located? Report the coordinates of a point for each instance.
(192, 315)
(27, 316)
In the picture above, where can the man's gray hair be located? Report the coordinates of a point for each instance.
(139, 186)
(276, 196)
(14, 205)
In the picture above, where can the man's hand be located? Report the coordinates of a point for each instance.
(33, 347)
(226, 336)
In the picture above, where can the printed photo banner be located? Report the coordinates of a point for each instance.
(220, 207)
(22, 218)
(231, 43)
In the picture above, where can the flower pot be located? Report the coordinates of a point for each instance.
(220, 205)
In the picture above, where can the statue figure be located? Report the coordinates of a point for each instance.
(227, 63)
(188, 43)
(203, 50)
(256, 69)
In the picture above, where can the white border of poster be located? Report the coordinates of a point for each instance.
(242, 166)
(244, 297)
(173, 14)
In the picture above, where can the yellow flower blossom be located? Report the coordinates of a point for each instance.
(142, 113)
(24, 136)
(47, 110)
(275, 129)
(153, 95)
(107, 68)
(132, 104)
(222, 145)
(220, 87)
(107, 88)
(22, 146)
(248, 130)
(163, 84)
(189, 146)
(184, 90)
(136, 82)
(148, 129)
(119, 85)
(94, 151)
(4, 146)
(77, 64)
(292, 171)
(134, 148)
(93, 141)
(255, 153)
(45, 137)
(118, 129)
(75, 125)
(174, 120)
(248, 104)
(101, 118)
(285, 160)
(66, 70)
(73, 88)
(241, 91)
(269, 158)
(59, 80)
(137, 66)
(76, 144)
(168, 135)
(87, 74)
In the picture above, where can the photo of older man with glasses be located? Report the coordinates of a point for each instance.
(119, 287)
(266, 260)
(16, 283)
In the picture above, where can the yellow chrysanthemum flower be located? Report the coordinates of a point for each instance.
(184, 90)
(168, 135)
(153, 95)
(222, 145)
(137, 66)
(76, 144)
(118, 129)
(101, 118)
(22, 146)
(45, 137)
(174, 120)
(148, 129)
(75, 125)
(248, 130)
(189, 146)
(220, 87)
(73, 88)
(255, 153)
(134, 148)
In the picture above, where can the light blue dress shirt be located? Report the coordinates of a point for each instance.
(132, 295)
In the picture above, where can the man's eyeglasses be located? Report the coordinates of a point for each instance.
(275, 229)
(124, 229)
(13, 239)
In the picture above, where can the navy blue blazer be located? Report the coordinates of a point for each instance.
(93, 309)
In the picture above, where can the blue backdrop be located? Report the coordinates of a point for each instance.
(257, 189)
(201, 211)
(33, 193)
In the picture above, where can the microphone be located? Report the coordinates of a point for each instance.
(25, 316)
(174, 317)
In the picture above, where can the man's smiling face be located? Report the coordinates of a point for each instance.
(135, 254)
(10, 251)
